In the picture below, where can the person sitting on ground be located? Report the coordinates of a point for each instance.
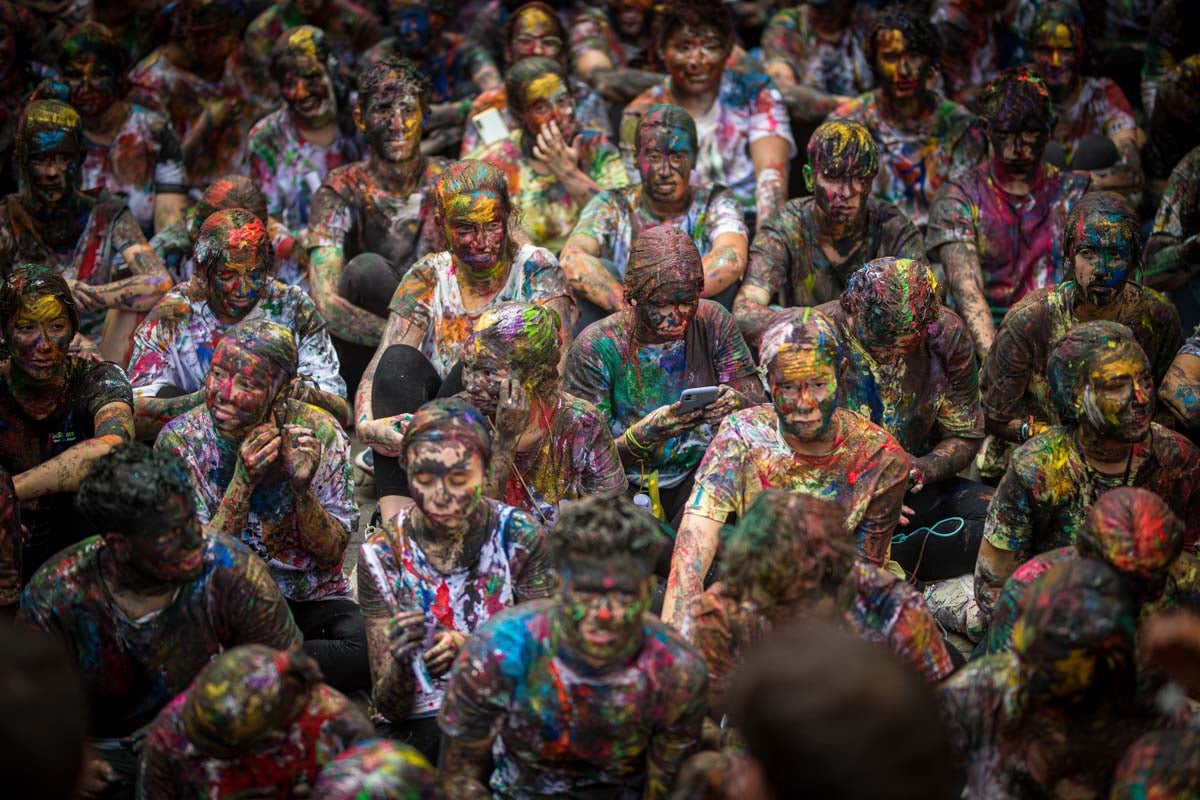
(275, 473)
(622, 693)
(804, 254)
(145, 605)
(635, 364)
(174, 346)
(349, 28)
(1172, 256)
(254, 719)
(596, 255)
(1180, 389)
(924, 139)
(744, 134)
(976, 31)
(610, 48)
(800, 442)
(58, 413)
(378, 769)
(446, 564)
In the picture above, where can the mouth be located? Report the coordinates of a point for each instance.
(906, 85)
(309, 105)
(192, 562)
(599, 639)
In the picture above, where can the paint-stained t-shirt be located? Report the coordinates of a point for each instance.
(626, 386)
(131, 668)
(429, 296)
(1100, 109)
(562, 729)
(834, 68)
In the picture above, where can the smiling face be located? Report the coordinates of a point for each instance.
(445, 478)
(39, 335)
(1118, 396)
(238, 389)
(392, 119)
(666, 155)
(173, 552)
(695, 59)
(1056, 54)
(902, 71)
(803, 383)
(308, 91)
(1103, 256)
(603, 602)
(534, 33)
(92, 83)
(476, 230)
(547, 99)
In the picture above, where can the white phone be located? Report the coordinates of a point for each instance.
(490, 125)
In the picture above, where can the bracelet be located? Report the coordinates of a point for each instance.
(634, 444)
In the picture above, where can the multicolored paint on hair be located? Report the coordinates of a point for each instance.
(1017, 100)
(843, 149)
(449, 419)
(524, 338)
(891, 298)
(669, 120)
(230, 191)
(1133, 530)
(662, 256)
(378, 769)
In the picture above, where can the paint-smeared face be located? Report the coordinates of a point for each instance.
(483, 375)
(1118, 397)
(803, 383)
(665, 157)
(1017, 152)
(631, 16)
(235, 287)
(414, 24)
(92, 83)
(53, 166)
(1104, 253)
(667, 311)
(1056, 54)
(603, 603)
(392, 119)
(174, 552)
(308, 91)
(534, 34)
(842, 199)
(477, 230)
(39, 335)
(695, 59)
(548, 99)
(238, 389)
(446, 481)
(902, 71)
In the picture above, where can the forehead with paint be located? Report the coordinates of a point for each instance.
(800, 344)
(391, 82)
(29, 288)
(302, 51)
(378, 770)
(535, 30)
(234, 256)
(445, 425)
(538, 92)
(474, 192)
(1103, 232)
(1133, 530)
(668, 129)
(902, 44)
(892, 301)
(49, 126)
(90, 53)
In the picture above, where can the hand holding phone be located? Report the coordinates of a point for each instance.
(696, 398)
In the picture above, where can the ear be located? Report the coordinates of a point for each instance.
(358, 118)
(808, 177)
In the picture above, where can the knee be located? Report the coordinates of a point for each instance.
(349, 627)
(368, 281)
(403, 377)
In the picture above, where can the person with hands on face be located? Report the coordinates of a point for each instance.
(611, 48)
(451, 559)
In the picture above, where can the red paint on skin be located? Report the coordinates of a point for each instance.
(238, 390)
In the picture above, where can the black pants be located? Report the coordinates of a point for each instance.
(405, 381)
(942, 539)
(422, 734)
(336, 637)
(368, 281)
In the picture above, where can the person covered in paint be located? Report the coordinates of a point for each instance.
(275, 474)
(1180, 389)
(348, 28)
(175, 345)
(535, 30)
(611, 46)
(92, 241)
(1171, 260)
(584, 694)
(1103, 394)
(291, 151)
(998, 229)
(1161, 764)
(254, 719)
(805, 253)
(1173, 129)
(744, 134)
(58, 413)
(378, 769)
(635, 364)
(1094, 126)
(436, 306)
(131, 151)
(923, 138)
(554, 166)
(451, 560)
(370, 220)
(548, 446)
(596, 255)
(977, 30)
(800, 442)
(145, 605)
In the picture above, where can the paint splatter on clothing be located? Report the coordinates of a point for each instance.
(145, 158)
(1161, 764)
(174, 346)
(1044, 496)
(133, 667)
(289, 169)
(563, 730)
(748, 107)
(916, 159)
(592, 32)
(174, 245)
(10, 541)
(865, 474)
(430, 297)
(614, 219)
(1018, 238)
(973, 51)
(272, 527)
(839, 69)
(1177, 219)
(513, 567)
(349, 28)
(172, 766)
(591, 112)
(1100, 108)
(547, 210)
(627, 386)
(786, 258)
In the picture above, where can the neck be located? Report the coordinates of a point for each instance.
(820, 446)
(320, 135)
(452, 547)
(1104, 453)
(397, 176)
(108, 122)
(476, 282)
(1085, 310)
(905, 109)
(697, 103)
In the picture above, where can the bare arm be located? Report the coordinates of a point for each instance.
(463, 767)
(965, 277)
(139, 292)
(168, 209)
(1171, 263)
(152, 413)
(725, 263)
(321, 533)
(113, 425)
(752, 311)
(346, 320)
(948, 457)
(588, 276)
(392, 683)
(992, 568)
(695, 548)
(770, 155)
(1126, 175)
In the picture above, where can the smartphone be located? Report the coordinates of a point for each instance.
(490, 125)
(698, 397)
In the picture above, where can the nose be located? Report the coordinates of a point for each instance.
(1142, 392)
(1055, 58)
(540, 49)
(302, 90)
(604, 612)
(905, 68)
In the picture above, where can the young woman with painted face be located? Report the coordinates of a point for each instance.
(744, 134)
(800, 442)
(624, 693)
(1102, 389)
(451, 560)
(610, 48)
(596, 255)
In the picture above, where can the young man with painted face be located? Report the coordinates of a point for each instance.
(58, 414)
(174, 347)
(634, 365)
(610, 48)
(744, 134)
(290, 151)
(145, 605)
(998, 229)
(275, 474)
(349, 28)
(800, 442)
(923, 138)
(1102, 389)
(90, 241)
(255, 720)
(1172, 256)
(586, 693)
(131, 150)
(451, 560)
(597, 253)
(804, 254)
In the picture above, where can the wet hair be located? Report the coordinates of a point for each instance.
(462, 180)
(1016, 100)
(805, 327)
(449, 418)
(607, 528)
(1060, 13)
(525, 337)
(920, 35)
(695, 14)
(510, 26)
(826, 714)
(28, 282)
(1074, 359)
(668, 117)
(378, 769)
(269, 341)
(216, 239)
(1115, 208)
(49, 115)
(1132, 530)
(522, 74)
(889, 295)
(843, 149)
(92, 37)
(126, 490)
(662, 255)
(393, 69)
(229, 191)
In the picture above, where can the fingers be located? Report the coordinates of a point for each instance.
(906, 515)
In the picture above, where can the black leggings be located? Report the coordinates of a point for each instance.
(368, 281)
(335, 635)
(942, 539)
(422, 734)
(405, 381)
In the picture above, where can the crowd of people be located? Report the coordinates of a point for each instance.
(755, 399)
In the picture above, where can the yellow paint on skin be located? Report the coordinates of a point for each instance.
(40, 311)
(476, 209)
(543, 87)
(46, 114)
(794, 362)
(890, 43)
(535, 22)
(1056, 36)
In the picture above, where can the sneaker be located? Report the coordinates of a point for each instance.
(365, 461)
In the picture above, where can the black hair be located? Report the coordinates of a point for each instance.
(695, 14)
(28, 281)
(920, 34)
(371, 79)
(126, 490)
(607, 528)
(1016, 100)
